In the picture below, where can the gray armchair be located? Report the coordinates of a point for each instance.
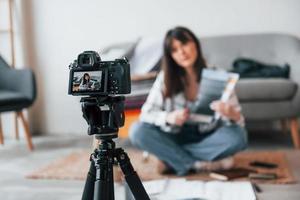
(17, 91)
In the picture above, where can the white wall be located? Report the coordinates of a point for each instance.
(56, 31)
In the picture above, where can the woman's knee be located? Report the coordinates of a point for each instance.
(134, 131)
(139, 132)
(239, 137)
(235, 138)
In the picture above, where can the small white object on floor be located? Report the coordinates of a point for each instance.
(180, 189)
(156, 186)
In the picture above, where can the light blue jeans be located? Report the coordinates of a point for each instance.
(181, 150)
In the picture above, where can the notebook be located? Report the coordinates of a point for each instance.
(182, 189)
(215, 84)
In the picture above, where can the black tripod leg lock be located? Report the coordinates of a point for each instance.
(124, 162)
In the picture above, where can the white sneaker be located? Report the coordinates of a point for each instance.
(223, 164)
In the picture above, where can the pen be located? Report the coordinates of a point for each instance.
(256, 188)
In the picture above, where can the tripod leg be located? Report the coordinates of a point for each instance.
(131, 177)
(110, 177)
(104, 186)
(88, 192)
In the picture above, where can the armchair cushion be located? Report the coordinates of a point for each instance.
(10, 100)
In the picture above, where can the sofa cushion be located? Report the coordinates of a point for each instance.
(259, 89)
(119, 50)
(146, 56)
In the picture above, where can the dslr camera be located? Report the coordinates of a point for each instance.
(91, 76)
(102, 83)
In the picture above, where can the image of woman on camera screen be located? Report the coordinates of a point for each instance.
(85, 83)
(162, 130)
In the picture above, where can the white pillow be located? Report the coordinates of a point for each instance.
(146, 55)
(120, 50)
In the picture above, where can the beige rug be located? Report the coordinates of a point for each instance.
(75, 166)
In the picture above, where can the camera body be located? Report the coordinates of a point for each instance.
(91, 76)
(103, 82)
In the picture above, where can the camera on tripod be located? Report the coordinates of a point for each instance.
(103, 82)
(91, 76)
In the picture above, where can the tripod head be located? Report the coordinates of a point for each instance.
(104, 115)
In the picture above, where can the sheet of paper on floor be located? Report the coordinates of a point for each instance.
(180, 189)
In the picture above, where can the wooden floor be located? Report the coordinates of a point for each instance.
(16, 161)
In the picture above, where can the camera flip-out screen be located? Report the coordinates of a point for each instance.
(88, 82)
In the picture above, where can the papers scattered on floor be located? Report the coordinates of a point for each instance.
(180, 189)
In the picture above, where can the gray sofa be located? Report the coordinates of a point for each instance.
(262, 99)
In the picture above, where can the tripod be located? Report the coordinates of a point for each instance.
(104, 115)
(100, 184)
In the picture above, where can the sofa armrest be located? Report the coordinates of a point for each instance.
(292, 56)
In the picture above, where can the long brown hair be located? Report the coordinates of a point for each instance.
(173, 73)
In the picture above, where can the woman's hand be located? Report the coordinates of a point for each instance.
(226, 109)
(178, 117)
